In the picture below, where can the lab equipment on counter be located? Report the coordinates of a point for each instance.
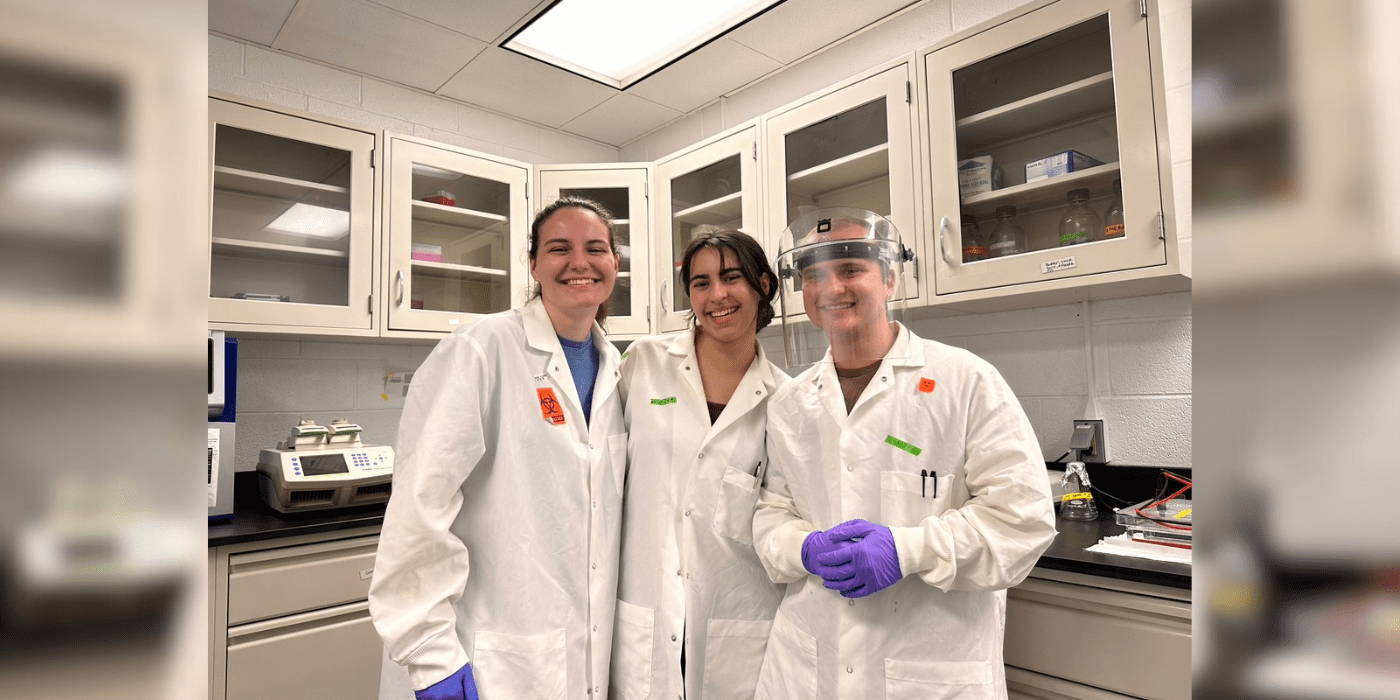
(1079, 224)
(320, 467)
(1164, 520)
(223, 389)
(1008, 238)
(1078, 501)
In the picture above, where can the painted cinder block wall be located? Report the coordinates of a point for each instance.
(1138, 351)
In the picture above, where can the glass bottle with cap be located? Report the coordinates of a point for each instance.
(1113, 218)
(1080, 224)
(1008, 238)
(973, 247)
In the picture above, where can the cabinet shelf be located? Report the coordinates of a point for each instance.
(1066, 104)
(451, 271)
(455, 216)
(275, 251)
(1048, 192)
(714, 212)
(235, 180)
(859, 167)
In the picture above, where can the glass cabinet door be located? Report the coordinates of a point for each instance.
(711, 185)
(292, 221)
(1061, 101)
(623, 191)
(852, 147)
(456, 232)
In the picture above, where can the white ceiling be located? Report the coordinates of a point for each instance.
(450, 48)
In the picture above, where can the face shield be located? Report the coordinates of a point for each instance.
(841, 287)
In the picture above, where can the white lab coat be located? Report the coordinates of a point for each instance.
(937, 633)
(500, 542)
(689, 573)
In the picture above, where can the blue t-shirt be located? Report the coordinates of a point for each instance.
(583, 364)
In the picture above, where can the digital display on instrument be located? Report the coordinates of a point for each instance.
(316, 465)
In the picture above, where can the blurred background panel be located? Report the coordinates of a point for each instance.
(102, 351)
(1296, 348)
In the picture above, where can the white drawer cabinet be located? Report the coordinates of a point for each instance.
(289, 618)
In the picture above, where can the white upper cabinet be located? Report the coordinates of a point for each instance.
(457, 225)
(848, 146)
(714, 183)
(623, 189)
(1072, 75)
(292, 223)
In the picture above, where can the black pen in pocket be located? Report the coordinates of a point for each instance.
(934, 474)
(923, 482)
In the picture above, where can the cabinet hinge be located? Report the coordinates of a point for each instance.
(1162, 225)
(371, 158)
(1142, 6)
(370, 305)
(755, 150)
(908, 92)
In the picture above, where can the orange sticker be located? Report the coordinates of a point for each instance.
(926, 385)
(549, 406)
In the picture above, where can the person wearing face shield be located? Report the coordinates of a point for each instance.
(905, 492)
(695, 606)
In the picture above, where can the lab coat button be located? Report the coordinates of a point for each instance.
(595, 564)
(850, 670)
(595, 628)
(678, 572)
(851, 603)
(850, 467)
(758, 393)
(687, 514)
(702, 455)
(595, 504)
(884, 379)
(673, 637)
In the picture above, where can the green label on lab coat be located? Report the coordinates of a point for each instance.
(663, 402)
(900, 444)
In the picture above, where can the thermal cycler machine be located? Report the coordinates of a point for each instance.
(320, 467)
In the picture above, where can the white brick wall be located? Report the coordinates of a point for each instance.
(288, 81)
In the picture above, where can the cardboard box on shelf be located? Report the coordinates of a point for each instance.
(1058, 164)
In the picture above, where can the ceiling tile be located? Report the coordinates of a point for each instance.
(251, 20)
(509, 83)
(486, 21)
(376, 41)
(821, 22)
(702, 76)
(620, 119)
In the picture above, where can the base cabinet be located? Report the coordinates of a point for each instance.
(1072, 635)
(290, 619)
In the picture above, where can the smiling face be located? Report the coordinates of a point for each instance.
(574, 262)
(726, 307)
(846, 296)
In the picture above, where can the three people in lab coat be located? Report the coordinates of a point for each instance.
(695, 605)
(898, 495)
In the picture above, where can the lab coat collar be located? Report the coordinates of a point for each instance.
(757, 384)
(540, 334)
(906, 351)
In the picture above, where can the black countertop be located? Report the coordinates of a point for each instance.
(254, 521)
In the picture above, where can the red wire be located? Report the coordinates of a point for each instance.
(1154, 504)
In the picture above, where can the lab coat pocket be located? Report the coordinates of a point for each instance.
(733, 657)
(507, 666)
(942, 680)
(631, 653)
(738, 494)
(617, 452)
(789, 664)
(907, 498)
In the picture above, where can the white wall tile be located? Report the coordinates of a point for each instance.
(403, 103)
(256, 91)
(1153, 432)
(1174, 305)
(494, 127)
(270, 384)
(969, 12)
(1175, 19)
(306, 77)
(675, 136)
(633, 152)
(1179, 123)
(1063, 316)
(225, 56)
(373, 392)
(1147, 358)
(259, 431)
(1053, 425)
(1181, 191)
(261, 347)
(564, 148)
(1036, 363)
(358, 116)
(354, 351)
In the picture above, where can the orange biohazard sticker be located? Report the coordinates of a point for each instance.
(926, 386)
(550, 407)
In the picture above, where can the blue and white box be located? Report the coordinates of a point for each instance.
(1058, 164)
(978, 175)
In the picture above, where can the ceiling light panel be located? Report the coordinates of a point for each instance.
(619, 42)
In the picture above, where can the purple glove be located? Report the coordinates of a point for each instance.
(864, 562)
(817, 543)
(458, 686)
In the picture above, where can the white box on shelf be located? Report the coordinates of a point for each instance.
(1058, 164)
(978, 175)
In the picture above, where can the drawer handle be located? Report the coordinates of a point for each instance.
(400, 299)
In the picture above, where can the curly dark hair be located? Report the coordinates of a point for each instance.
(753, 264)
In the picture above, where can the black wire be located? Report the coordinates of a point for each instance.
(1102, 492)
(1059, 459)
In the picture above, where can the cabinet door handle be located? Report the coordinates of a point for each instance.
(943, 249)
(665, 284)
(400, 298)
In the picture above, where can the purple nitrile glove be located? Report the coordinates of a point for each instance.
(458, 686)
(866, 564)
(818, 542)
